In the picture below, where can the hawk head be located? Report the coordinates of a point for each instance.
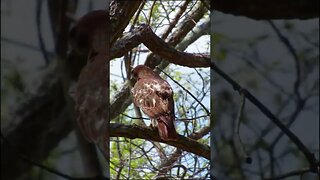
(89, 33)
(142, 71)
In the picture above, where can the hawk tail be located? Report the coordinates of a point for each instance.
(166, 128)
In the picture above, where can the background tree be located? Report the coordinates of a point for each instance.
(36, 129)
(278, 63)
(40, 130)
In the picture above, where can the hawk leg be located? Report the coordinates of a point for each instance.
(153, 124)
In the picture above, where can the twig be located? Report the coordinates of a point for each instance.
(184, 169)
(291, 49)
(137, 15)
(175, 20)
(183, 119)
(145, 153)
(165, 11)
(191, 119)
(237, 137)
(134, 117)
(264, 75)
(150, 13)
(39, 32)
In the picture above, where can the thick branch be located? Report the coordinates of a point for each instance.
(177, 36)
(145, 35)
(266, 9)
(184, 143)
(120, 14)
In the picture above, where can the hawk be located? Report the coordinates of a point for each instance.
(91, 94)
(89, 38)
(154, 97)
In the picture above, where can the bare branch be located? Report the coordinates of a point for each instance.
(145, 35)
(39, 32)
(237, 137)
(120, 14)
(296, 59)
(175, 20)
(184, 143)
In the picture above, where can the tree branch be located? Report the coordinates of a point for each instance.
(145, 35)
(184, 143)
(120, 14)
(294, 54)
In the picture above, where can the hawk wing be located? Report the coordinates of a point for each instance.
(154, 97)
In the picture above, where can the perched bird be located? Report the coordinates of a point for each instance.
(154, 97)
(89, 36)
(89, 39)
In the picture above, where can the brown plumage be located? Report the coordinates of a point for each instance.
(154, 96)
(91, 99)
(89, 39)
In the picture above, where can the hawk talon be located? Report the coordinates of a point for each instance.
(152, 126)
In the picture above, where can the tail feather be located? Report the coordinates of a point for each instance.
(166, 128)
